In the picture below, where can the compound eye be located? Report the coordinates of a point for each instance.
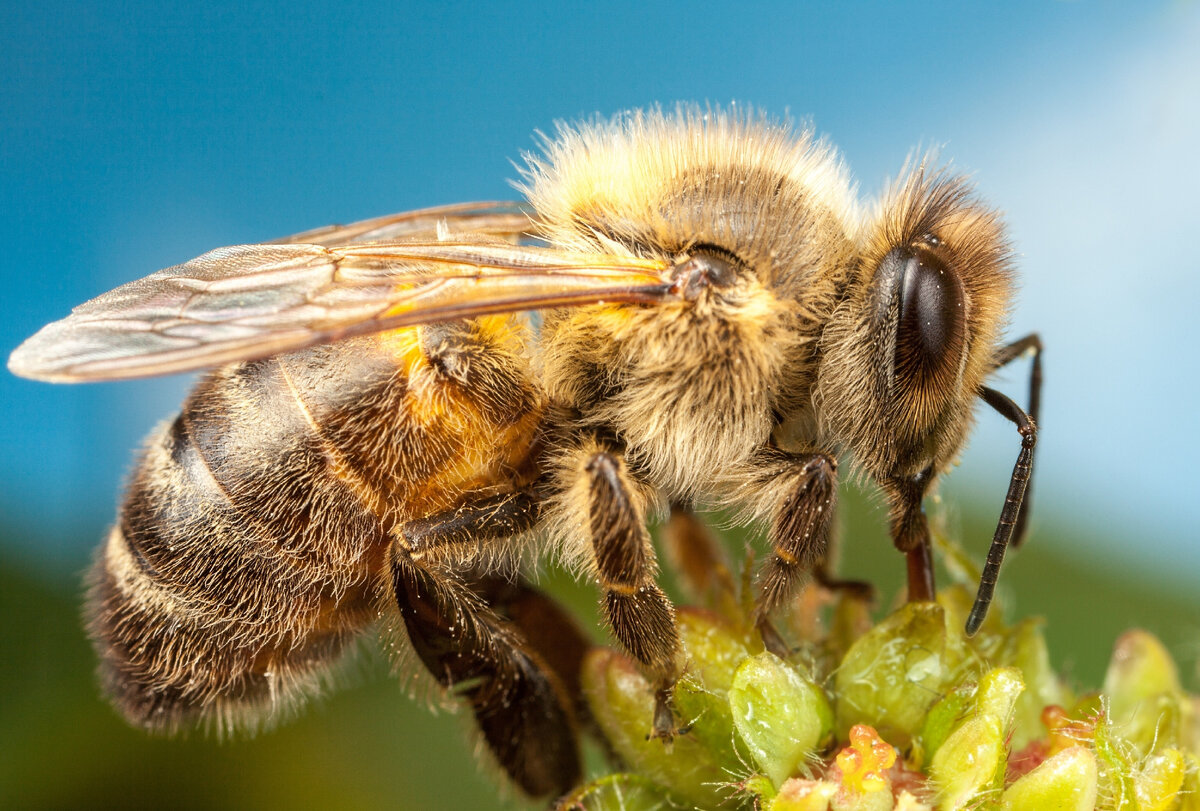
(932, 324)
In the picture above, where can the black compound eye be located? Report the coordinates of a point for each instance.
(932, 322)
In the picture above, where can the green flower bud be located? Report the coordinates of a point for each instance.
(1159, 780)
(893, 674)
(967, 762)
(1066, 781)
(628, 792)
(714, 648)
(623, 705)
(943, 717)
(1145, 700)
(709, 722)
(998, 693)
(972, 759)
(781, 714)
(754, 721)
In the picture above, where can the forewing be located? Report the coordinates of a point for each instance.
(253, 301)
(502, 220)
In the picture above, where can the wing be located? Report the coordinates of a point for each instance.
(502, 220)
(253, 301)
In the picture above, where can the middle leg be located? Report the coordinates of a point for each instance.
(640, 614)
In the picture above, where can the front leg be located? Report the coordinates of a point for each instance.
(640, 614)
(910, 532)
(800, 530)
(804, 488)
(1031, 344)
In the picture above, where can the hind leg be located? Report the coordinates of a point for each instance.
(546, 628)
(521, 706)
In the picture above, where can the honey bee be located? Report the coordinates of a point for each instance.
(719, 322)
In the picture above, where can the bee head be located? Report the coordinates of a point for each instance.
(908, 347)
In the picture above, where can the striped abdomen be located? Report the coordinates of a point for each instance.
(249, 548)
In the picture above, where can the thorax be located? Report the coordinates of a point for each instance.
(688, 391)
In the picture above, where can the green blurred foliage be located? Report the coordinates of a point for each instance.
(372, 746)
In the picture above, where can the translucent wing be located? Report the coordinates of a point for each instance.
(503, 220)
(252, 301)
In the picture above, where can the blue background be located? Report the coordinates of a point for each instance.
(136, 137)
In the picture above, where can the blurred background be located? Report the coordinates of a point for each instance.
(139, 136)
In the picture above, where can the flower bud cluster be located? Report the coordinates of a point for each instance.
(907, 715)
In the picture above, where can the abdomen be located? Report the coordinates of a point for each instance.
(247, 552)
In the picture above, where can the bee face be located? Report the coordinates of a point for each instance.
(906, 351)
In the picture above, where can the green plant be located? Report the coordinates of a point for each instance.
(908, 714)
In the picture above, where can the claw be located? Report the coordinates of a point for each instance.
(772, 640)
(664, 728)
(854, 589)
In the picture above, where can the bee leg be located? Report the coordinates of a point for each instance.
(694, 553)
(910, 533)
(547, 628)
(857, 589)
(496, 519)
(475, 523)
(799, 537)
(1031, 343)
(641, 615)
(1013, 502)
(544, 625)
(520, 705)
